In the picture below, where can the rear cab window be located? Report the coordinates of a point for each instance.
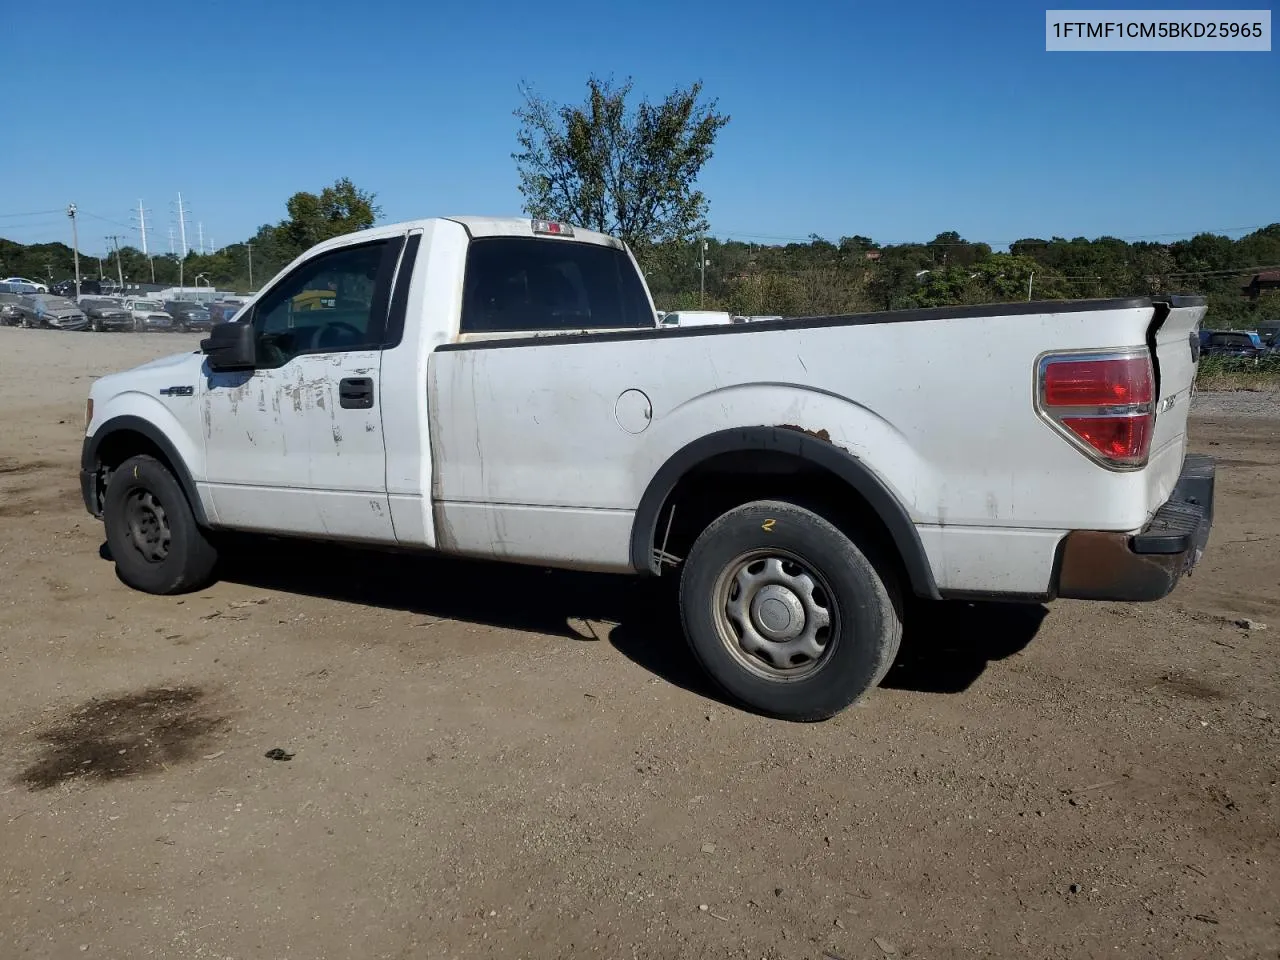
(549, 285)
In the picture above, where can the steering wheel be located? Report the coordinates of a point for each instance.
(351, 334)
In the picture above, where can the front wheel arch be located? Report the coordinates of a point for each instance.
(126, 436)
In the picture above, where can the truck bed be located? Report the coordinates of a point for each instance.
(940, 407)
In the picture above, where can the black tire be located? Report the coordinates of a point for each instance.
(96, 324)
(151, 531)
(769, 565)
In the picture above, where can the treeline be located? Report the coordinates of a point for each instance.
(857, 274)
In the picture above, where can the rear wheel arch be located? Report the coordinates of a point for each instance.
(123, 437)
(839, 481)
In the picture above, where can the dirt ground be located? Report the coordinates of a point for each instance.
(474, 778)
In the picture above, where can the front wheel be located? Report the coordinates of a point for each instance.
(786, 613)
(151, 531)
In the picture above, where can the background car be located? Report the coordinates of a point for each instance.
(225, 309)
(67, 288)
(1232, 343)
(22, 287)
(148, 315)
(35, 285)
(188, 315)
(10, 314)
(106, 314)
(56, 313)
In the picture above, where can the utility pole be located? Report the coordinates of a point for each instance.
(200, 230)
(702, 274)
(1029, 282)
(182, 226)
(119, 268)
(249, 247)
(75, 245)
(142, 229)
(171, 241)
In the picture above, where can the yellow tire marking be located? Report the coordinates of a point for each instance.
(767, 526)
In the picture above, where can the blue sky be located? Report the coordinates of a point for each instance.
(892, 120)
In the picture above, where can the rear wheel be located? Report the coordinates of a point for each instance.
(151, 530)
(786, 613)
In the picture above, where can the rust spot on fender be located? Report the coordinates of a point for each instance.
(816, 434)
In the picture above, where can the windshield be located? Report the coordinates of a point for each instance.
(146, 304)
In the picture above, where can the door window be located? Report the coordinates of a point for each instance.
(331, 304)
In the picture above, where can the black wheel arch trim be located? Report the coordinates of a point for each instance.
(89, 462)
(817, 451)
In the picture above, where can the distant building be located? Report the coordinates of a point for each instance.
(1267, 280)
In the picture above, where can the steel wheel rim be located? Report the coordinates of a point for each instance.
(776, 614)
(148, 526)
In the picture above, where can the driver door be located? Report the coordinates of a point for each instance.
(296, 444)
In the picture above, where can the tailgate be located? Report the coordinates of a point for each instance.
(1174, 338)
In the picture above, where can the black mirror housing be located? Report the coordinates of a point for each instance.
(230, 346)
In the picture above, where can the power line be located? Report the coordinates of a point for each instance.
(33, 213)
(115, 223)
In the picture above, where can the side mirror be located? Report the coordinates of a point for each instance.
(230, 346)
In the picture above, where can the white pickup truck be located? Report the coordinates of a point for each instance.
(502, 388)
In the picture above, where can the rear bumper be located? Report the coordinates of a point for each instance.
(1102, 565)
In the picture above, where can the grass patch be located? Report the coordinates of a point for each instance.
(1236, 373)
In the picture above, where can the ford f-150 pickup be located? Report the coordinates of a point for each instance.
(502, 388)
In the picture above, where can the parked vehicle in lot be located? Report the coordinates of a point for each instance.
(106, 314)
(35, 285)
(56, 313)
(188, 315)
(222, 310)
(22, 289)
(1232, 343)
(502, 389)
(10, 309)
(148, 315)
(67, 288)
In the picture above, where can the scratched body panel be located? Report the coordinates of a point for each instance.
(285, 456)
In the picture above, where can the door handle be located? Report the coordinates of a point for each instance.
(356, 393)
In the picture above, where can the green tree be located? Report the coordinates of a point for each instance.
(628, 172)
(337, 209)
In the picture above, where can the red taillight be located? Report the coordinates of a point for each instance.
(1116, 438)
(1103, 403)
(1097, 383)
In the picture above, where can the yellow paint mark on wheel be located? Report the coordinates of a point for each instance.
(135, 471)
(767, 526)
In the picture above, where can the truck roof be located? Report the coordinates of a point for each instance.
(481, 227)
